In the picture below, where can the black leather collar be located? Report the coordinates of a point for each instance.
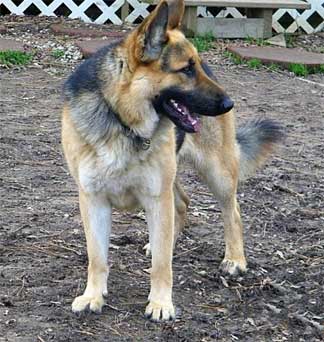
(139, 142)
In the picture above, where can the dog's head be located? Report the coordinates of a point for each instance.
(166, 69)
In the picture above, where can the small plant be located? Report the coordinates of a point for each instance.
(298, 69)
(234, 58)
(12, 57)
(254, 63)
(273, 67)
(249, 40)
(290, 39)
(320, 69)
(256, 41)
(57, 53)
(203, 43)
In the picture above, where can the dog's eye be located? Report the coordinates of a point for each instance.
(189, 70)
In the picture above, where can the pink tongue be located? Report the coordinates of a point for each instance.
(195, 123)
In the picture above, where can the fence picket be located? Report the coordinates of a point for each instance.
(304, 20)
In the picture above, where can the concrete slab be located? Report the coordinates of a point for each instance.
(89, 47)
(282, 56)
(3, 29)
(278, 40)
(11, 44)
(60, 29)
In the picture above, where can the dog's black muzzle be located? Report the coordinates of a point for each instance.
(185, 107)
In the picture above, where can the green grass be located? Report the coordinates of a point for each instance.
(257, 41)
(298, 69)
(57, 53)
(320, 69)
(203, 43)
(290, 39)
(304, 70)
(12, 57)
(234, 58)
(254, 63)
(273, 67)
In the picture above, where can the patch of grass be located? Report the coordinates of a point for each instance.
(57, 53)
(12, 57)
(203, 43)
(254, 63)
(320, 69)
(290, 39)
(298, 69)
(273, 67)
(234, 58)
(256, 41)
(304, 70)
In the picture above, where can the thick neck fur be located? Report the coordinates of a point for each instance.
(104, 85)
(129, 93)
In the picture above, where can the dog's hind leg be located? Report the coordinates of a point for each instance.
(221, 177)
(96, 216)
(181, 201)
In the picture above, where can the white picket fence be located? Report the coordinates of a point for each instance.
(113, 11)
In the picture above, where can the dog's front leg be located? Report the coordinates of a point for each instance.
(96, 216)
(160, 219)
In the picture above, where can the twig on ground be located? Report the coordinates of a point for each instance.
(85, 332)
(186, 252)
(273, 308)
(21, 288)
(310, 82)
(66, 248)
(308, 321)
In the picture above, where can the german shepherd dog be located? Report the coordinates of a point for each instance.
(119, 141)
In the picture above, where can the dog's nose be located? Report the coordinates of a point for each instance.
(227, 104)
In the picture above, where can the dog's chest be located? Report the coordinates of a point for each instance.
(123, 175)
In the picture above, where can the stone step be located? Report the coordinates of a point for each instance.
(89, 47)
(11, 44)
(281, 56)
(60, 29)
(3, 29)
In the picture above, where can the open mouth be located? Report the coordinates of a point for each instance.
(182, 117)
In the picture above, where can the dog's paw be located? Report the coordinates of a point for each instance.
(147, 249)
(84, 303)
(232, 267)
(160, 312)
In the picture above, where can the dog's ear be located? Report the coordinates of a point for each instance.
(176, 11)
(153, 31)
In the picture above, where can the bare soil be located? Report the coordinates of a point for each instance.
(43, 257)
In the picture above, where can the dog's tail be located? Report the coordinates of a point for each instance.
(257, 139)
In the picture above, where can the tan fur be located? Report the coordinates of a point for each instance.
(215, 155)
(153, 192)
(111, 172)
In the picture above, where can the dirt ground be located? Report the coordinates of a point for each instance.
(42, 247)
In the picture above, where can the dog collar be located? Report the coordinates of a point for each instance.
(139, 142)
